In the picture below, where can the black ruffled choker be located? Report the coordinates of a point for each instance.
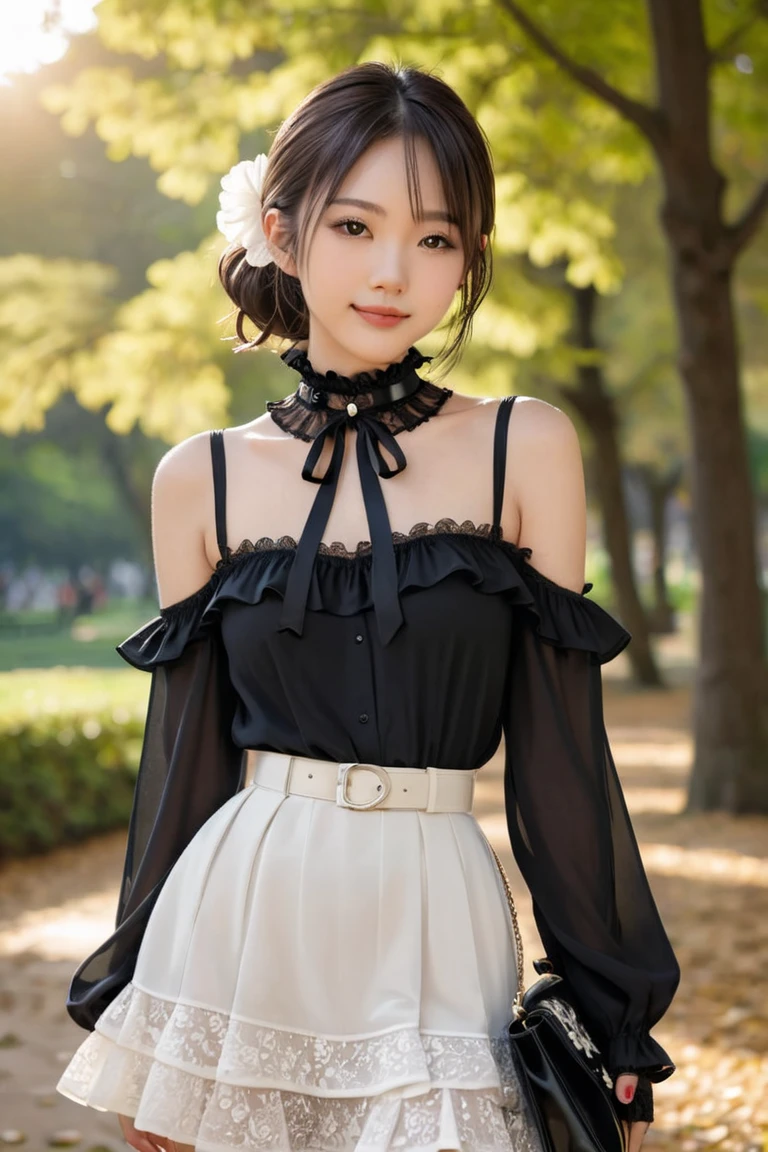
(400, 398)
(333, 382)
(378, 405)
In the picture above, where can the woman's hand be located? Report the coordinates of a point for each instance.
(141, 1141)
(634, 1132)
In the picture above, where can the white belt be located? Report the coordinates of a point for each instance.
(361, 785)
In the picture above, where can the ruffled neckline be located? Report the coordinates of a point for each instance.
(342, 586)
(333, 381)
(446, 526)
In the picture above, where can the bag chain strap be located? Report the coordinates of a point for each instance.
(517, 1009)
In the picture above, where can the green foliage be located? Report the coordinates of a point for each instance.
(50, 310)
(65, 776)
(158, 359)
(63, 198)
(188, 117)
(226, 70)
(214, 71)
(179, 146)
(191, 86)
(758, 457)
(58, 508)
(162, 362)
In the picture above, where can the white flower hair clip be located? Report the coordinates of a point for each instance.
(240, 216)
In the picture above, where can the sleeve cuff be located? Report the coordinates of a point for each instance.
(639, 1053)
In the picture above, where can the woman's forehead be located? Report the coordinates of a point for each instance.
(380, 177)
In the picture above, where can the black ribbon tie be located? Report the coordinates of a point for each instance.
(372, 436)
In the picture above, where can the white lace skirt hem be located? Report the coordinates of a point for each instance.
(316, 979)
(413, 1092)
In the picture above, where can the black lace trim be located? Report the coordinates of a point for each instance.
(300, 418)
(446, 526)
(336, 552)
(320, 395)
(348, 386)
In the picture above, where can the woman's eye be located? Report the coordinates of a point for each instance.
(444, 239)
(351, 224)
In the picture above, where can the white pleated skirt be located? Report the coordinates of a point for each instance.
(319, 979)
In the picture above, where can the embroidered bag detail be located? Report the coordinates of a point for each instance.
(577, 1034)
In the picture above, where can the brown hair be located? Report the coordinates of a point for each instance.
(312, 153)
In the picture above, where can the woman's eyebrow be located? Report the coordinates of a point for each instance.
(377, 208)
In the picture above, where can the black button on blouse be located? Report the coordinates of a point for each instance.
(485, 643)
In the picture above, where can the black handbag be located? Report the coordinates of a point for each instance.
(569, 1092)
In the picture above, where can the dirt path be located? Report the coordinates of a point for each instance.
(709, 876)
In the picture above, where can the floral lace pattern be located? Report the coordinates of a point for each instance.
(200, 1077)
(306, 411)
(445, 526)
(336, 552)
(577, 1033)
(299, 416)
(245, 1051)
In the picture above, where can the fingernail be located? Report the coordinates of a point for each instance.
(628, 1094)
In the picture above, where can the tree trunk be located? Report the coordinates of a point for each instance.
(594, 404)
(659, 488)
(731, 688)
(114, 455)
(731, 685)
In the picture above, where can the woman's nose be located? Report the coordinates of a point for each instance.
(388, 269)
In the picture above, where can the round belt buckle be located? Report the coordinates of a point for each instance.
(343, 800)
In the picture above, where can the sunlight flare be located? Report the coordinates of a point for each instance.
(30, 36)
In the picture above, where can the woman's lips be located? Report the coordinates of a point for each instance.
(379, 319)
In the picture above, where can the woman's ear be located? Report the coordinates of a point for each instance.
(277, 237)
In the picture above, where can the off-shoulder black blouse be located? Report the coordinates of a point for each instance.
(489, 644)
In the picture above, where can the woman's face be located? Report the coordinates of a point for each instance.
(373, 254)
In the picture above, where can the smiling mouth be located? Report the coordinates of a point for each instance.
(381, 311)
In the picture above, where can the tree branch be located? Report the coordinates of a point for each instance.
(723, 50)
(748, 224)
(643, 116)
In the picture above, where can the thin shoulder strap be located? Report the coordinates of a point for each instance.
(503, 413)
(219, 461)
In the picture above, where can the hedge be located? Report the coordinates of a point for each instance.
(66, 776)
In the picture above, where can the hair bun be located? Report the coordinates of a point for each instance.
(271, 299)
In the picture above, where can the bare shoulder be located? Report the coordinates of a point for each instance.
(534, 419)
(184, 464)
(540, 437)
(182, 503)
(260, 428)
(544, 484)
(537, 422)
(537, 431)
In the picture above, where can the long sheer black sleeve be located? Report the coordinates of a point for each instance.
(571, 832)
(189, 767)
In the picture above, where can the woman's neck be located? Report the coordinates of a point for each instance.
(328, 356)
(378, 386)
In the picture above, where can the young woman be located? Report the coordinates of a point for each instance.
(313, 948)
